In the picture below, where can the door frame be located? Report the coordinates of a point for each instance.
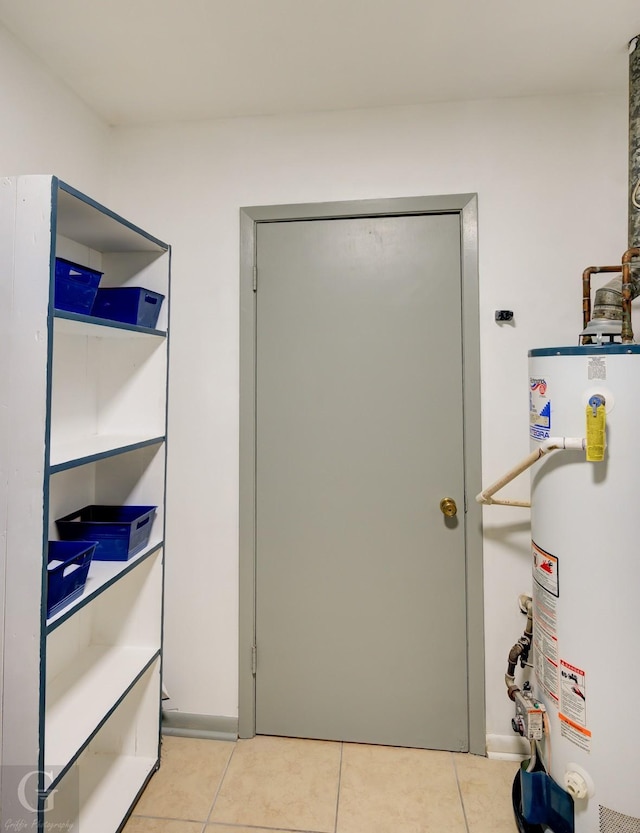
(466, 205)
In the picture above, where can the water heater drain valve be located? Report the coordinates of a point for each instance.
(578, 783)
(575, 785)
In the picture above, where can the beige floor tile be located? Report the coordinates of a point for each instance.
(486, 793)
(281, 783)
(224, 828)
(390, 790)
(189, 776)
(140, 825)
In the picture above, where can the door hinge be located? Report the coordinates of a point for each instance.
(255, 278)
(254, 659)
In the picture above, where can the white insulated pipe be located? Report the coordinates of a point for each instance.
(552, 444)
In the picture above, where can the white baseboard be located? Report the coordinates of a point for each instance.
(499, 747)
(208, 726)
(507, 748)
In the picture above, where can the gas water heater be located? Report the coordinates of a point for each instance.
(577, 709)
(586, 585)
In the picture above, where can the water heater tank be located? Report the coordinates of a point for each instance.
(586, 581)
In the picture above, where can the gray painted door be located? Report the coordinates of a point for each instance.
(360, 579)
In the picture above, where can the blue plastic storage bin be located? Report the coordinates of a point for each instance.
(129, 305)
(121, 531)
(75, 287)
(67, 569)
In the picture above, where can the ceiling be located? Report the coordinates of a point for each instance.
(153, 61)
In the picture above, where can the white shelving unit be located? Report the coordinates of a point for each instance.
(83, 405)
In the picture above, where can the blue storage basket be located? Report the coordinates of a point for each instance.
(129, 305)
(75, 287)
(121, 531)
(68, 565)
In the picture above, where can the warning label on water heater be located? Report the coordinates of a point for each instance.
(545, 621)
(576, 734)
(545, 570)
(539, 409)
(597, 368)
(573, 693)
(546, 660)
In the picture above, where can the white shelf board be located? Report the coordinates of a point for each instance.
(80, 218)
(102, 574)
(66, 323)
(96, 447)
(109, 785)
(79, 698)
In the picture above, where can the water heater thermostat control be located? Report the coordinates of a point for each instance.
(529, 719)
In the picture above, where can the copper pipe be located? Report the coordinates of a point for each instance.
(586, 291)
(627, 330)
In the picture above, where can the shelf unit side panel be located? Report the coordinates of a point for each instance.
(7, 244)
(26, 322)
(27, 405)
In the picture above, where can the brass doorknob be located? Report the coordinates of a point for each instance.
(448, 507)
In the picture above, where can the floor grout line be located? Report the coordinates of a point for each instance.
(217, 792)
(164, 818)
(215, 824)
(209, 826)
(335, 829)
(464, 812)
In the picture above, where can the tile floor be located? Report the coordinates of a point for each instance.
(279, 785)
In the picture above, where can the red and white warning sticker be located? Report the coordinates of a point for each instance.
(545, 570)
(545, 621)
(573, 693)
(573, 705)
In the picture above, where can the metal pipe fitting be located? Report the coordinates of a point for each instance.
(627, 295)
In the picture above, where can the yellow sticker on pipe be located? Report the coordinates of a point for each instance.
(596, 429)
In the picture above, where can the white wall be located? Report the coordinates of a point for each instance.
(45, 128)
(551, 179)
